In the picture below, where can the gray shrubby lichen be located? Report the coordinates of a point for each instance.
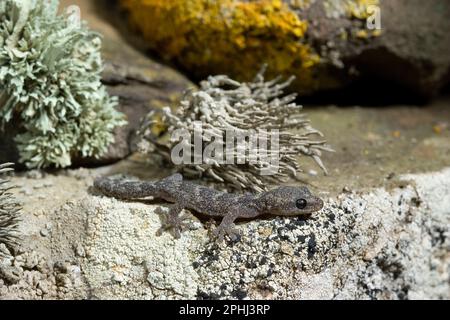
(223, 105)
(50, 85)
(9, 210)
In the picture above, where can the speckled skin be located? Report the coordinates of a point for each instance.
(283, 201)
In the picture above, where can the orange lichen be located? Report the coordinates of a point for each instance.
(228, 36)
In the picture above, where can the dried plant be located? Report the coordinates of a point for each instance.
(223, 104)
(9, 210)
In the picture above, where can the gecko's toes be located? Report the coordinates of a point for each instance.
(175, 230)
(235, 235)
(220, 232)
(176, 233)
(176, 225)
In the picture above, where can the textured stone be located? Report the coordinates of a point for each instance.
(326, 44)
(378, 244)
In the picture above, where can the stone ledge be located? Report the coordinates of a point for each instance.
(379, 244)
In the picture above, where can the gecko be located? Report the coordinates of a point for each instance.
(282, 201)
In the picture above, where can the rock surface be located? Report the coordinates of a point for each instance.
(356, 248)
(141, 83)
(376, 244)
(326, 44)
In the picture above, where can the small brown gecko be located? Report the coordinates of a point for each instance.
(282, 201)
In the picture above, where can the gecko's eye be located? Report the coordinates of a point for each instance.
(301, 204)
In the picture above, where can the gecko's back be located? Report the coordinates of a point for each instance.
(197, 197)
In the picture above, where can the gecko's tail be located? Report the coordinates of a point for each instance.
(126, 189)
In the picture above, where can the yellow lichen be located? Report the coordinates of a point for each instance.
(228, 36)
(359, 9)
(376, 33)
(362, 10)
(362, 34)
(367, 34)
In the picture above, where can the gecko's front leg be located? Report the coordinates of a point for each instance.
(227, 227)
(173, 221)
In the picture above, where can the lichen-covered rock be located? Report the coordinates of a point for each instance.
(378, 245)
(373, 245)
(123, 253)
(325, 43)
(230, 37)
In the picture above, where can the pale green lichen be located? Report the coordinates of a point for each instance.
(50, 85)
(9, 210)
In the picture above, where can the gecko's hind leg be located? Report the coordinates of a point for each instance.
(227, 227)
(173, 221)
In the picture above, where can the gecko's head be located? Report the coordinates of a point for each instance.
(290, 201)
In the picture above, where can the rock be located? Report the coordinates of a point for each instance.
(63, 280)
(140, 83)
(79, 251)
(378, 244)
(44, 286)
(31, 261)
(326, 44)
(121, 254)
(10, 274)
(44, 232)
